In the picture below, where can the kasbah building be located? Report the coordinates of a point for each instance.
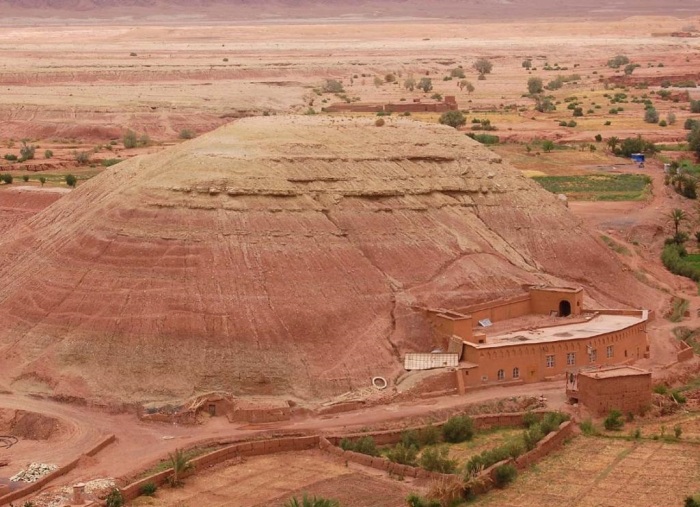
(573, 340)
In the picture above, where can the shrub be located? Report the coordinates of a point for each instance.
(409, 84)
(618, 61)
(534, 85)
(109, 162)
(678, 396)
(25, 177)
(663, 123)
(453, 118)
(660, 389)
(588, 428)
(578, 111)
(403, 455)
(458, 429)
(651, 115)
(414, 500)
(10, 157)
(186, 134)
(425, 84)
(548, 145)
(26, 151)
(114, 498)
(48, 154)
(364, 445)
(379, 123)
(530, 418)
(504, 475)
(436, 459)
(614, 422)
(82, 157)
(410, 438)
(671, 118)
(533, 435)
(485, 138)
(695, 106)
(390, 78)
(571, 124)
(492, 456)
(689, 124)
(448, 491)
(42, 180)
(71, 180)
(148, 489)
(130, 140)
(333, 86)
(430, 435)
(677, 431)
(458, 73)
(552, 420)
(598, 138)
(483, 66)
(527, 64)
(6, 178)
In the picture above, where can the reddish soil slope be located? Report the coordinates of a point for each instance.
(277, 256)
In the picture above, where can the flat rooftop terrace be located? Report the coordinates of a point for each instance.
(595, 326)
(620, 371)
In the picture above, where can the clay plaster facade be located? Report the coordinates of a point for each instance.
(624, 388)
(592, 337)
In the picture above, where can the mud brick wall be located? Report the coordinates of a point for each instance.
(686, 352)
(628, 393)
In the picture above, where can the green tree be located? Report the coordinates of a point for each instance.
(618, 61)
(470, 87)
(613, 142)
(180, 464)
(333, 86)
(425, 84)
(527, 64)
(544, 104)
(453, 118)
(483, 66)
(48, 154)
(82, 157)
(409, 84)
(547, 145)
(42, 180)
(534, 85)
(114, 498)
(71, 180)
(26, 151)
(694, 139)
(458, 73)
(677, 216)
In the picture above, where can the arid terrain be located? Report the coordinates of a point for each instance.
(223, 232)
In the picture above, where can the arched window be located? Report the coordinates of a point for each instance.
(501, 375)
(516, 372)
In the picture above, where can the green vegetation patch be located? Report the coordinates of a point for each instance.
(598, 187)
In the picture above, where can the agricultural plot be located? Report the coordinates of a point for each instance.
(483, 441)
(598, 187)
(596, 471)
(272, 480)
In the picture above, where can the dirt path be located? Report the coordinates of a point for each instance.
(140, 444)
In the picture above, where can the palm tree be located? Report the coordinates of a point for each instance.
(677, 216)
(180, 464)
(311, 502)
(613, 142)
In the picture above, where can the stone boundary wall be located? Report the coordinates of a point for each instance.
(44, 481)
(252, 448)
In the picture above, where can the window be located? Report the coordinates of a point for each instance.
(501, 375)
(550, 361)
(609, 351)
(571, 358)
(516, 372)
(593, 355)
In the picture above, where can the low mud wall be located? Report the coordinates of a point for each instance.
(44, 481)
(481, 422)
(685, 352)
(254, 448)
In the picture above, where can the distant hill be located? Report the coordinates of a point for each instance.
(240, 10)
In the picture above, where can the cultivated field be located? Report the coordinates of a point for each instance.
(595, 471)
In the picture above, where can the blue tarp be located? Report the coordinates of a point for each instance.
(637, 157)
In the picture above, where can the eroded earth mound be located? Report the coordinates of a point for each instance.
(275, 255)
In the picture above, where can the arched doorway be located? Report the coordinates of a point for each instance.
(564, 308)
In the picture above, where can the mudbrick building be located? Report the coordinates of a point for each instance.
(542, 334)
(624, 388)
(449, 103)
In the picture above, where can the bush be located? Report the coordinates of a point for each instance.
(614, 422)
(490, 457)
(504, 475)
(130, 140)
(10, 157)
(430, 435)
(6, 178)
(458, 73)
(571, 124)
(695, 106)
(114, 498)
(458, 429)
(534, 85)
(533, 435)
(26, 151)
(436, 459)
(82, 157)
(364, 445)
(530, 418)
(333, 86)
(618, 61)
(109, 162)
(588, 428)
(411, 438)
(527, 64)
(425, 84)
(651, 115)
(663, 123)
(485, 138)
(598, 138)
(307, 501)
(672, 258)
(25, 177)
(148, 489)
(379, 123)
(414, 500)
(689, 124)
(677, 431)
(186, 134)
(483, 66)
(42, 180)
(453, 118)
(48, 154)
(660, 389)
(678, 396)
(71, 180)
(403, 455)
(552, 420)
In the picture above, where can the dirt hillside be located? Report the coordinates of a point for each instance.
(277, 255)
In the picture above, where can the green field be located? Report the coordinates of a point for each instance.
(598, 187)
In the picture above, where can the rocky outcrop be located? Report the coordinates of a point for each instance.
(277, 256)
